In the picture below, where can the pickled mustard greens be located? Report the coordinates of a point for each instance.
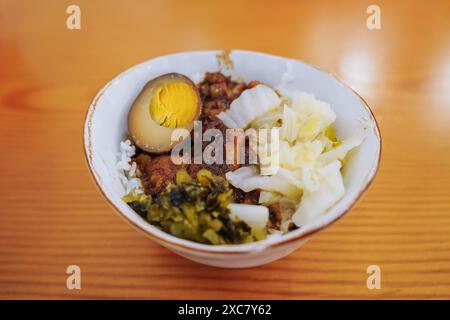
(138, 202)
(196, 209)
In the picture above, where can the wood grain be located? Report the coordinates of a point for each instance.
(52, 215)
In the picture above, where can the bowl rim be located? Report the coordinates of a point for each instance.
(172, 241)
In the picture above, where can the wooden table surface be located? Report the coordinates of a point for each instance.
(52, 214)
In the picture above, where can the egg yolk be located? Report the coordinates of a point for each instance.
(174, 104)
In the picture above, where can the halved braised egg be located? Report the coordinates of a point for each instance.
(166, 103)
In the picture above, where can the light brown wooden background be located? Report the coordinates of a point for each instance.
(52, 215)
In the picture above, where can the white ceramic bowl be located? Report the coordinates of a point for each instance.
(106, 126)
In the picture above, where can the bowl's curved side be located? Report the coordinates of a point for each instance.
(104, 128)
(249, 259)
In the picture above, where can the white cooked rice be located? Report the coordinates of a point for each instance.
(127, 169)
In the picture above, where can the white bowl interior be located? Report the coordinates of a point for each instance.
(106, 125)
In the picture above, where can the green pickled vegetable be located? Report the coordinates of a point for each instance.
(138, 202)
(196, 209)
